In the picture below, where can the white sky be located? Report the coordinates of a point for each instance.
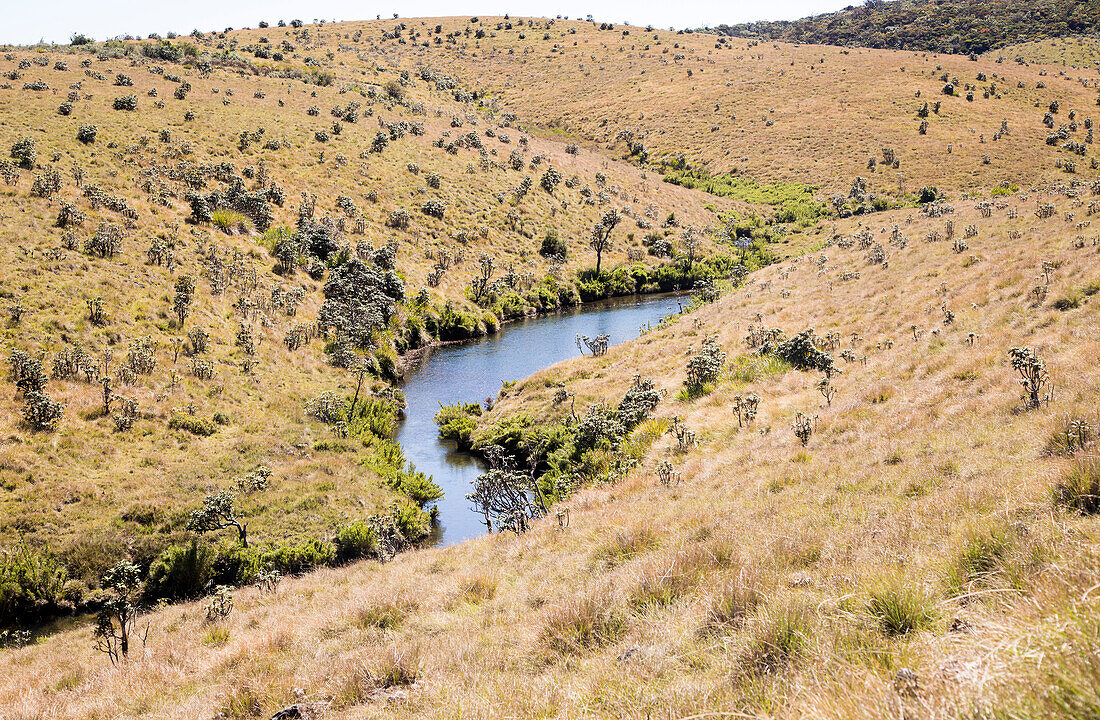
(56, 20)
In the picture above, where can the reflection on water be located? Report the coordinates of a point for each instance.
(473, 371)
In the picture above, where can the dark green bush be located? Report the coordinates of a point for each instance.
(32, 585)
(181, 572)
(354, 541)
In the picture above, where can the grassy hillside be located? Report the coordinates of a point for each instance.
(763, 111)
(321, 201)
(918, 554)
(956, 26)
(202, 418)
(1079, 53)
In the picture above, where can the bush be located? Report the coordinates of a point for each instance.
(703, 368)
(457, 423)
(802, 352)
(25, 152)
(354, 541)
(180, 572)
(192, 424)
(552, 245)
(86, 134)
(32, 585)
(126, 102)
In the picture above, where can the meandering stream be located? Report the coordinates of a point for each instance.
(473, 371)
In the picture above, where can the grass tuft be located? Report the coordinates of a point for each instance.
(1079, 487)
(900, 610)
(581, 625)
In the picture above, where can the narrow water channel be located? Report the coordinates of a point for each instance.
(473, 371)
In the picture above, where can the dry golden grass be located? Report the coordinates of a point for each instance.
(81, 488)
(806, 113)
(774, 581)
(749, 588)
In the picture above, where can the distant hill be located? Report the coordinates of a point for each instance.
(950, 26)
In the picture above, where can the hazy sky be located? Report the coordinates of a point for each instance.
(56, 20)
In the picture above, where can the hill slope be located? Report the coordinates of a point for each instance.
(764, 112)
(908, 558)
(272, 168)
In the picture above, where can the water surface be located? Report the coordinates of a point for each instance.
(473, 371)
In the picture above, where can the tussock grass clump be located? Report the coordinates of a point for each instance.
(664, 582)
(1079, 487)
(580, 625)
(385, 614)
(477, 588)
(624, 545)
(1072, 433)
(900, 609)
(227, 220)
(752, 367)
(733, 605)
(981, 557)
(776, 642)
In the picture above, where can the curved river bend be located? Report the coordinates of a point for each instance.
(473, 371)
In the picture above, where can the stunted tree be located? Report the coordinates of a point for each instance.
(601, 235)
(1033, 375)
(117, 621)
(184, 298)
(689, 246)
(507, 498)
(217, 513)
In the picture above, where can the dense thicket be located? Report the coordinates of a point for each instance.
(950, 26)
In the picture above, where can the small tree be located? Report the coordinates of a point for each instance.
(689, 246)
(703, 367)
(184, 298)
(1033, 375)
(217, 513)
(117, 621)
(601, 235)
(803, 427)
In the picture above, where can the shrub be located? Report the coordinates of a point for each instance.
(86, 134)
(40, 411)
(125, 102)
(552, 245)
(32, 584)
(180, 572)
(195, 425)
(457, 423)
(802, 352)
(703, 368)
(354, 541)
(435, 208)
(1033, 375)
(640, 399)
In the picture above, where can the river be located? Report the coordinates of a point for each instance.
(473, 371)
